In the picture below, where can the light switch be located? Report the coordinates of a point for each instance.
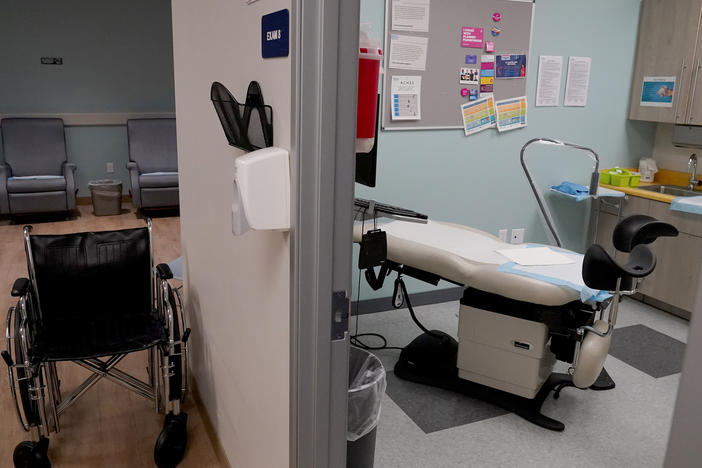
(110, 167)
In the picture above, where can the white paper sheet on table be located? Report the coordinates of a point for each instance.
(537, 256)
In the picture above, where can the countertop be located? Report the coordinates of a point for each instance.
(662, 177)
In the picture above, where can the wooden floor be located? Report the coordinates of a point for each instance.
(110, 426)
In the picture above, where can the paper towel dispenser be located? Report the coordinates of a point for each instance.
(261, 198)
(687, 136)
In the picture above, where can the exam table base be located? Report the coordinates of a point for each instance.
(431, 360)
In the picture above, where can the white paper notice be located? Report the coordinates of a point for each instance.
(548, 88)
(410, 15)
(578, 81)
(406, 97)
(408, 52)
(535, 256)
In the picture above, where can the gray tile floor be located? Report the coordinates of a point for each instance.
(626, 426)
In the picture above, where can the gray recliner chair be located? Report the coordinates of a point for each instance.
(35, 177)
(153, 163)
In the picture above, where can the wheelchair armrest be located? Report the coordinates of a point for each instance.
(164, 271)
(20, 287)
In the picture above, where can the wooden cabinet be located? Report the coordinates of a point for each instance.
(679, 259)
(668, 46)
(674, 281)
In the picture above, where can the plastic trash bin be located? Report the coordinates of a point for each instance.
(107, 196)
(366, 388)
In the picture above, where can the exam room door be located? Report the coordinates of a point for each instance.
(325, 35)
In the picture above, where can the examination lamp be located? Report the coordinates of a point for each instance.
(594, 179)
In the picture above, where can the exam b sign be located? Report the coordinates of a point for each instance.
(275, 34)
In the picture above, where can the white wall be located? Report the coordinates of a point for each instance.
(238, 288)
(666, 155)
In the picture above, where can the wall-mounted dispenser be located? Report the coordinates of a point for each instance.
(261, 191)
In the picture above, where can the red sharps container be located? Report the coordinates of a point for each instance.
(369, 58)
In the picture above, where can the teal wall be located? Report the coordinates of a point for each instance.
(118, 58)
(478, 180)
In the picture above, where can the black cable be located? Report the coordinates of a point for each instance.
(411, 311)
(355, 339)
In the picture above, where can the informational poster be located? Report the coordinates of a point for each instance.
(472, 37)
(408, 52)
(511, 113)
(469, 75)
(478, 115)
(410, 15)
(510, 66)
(658, 91)
(406, 97)
(548, 86)
(578, 81)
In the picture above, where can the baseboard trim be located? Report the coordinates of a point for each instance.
(96, 119)
(382, 304)
(209, 427)
(671, 309)
(88, 200)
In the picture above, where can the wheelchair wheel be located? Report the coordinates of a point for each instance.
(32, 454)
(175, 383)
(172, 441)
(29, 406)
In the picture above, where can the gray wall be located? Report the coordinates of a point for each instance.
(477, 180)
(118, 58)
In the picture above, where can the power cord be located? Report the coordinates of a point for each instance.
(355, 339)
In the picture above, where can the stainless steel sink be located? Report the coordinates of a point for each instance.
(673, 190)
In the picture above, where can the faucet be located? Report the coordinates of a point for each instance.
(692, 169)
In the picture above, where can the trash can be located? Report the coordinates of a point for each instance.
(107, 196)
(366, 389)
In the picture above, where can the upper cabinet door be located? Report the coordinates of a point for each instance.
(668, 33)
(694, 108)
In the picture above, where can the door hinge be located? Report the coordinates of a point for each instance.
(341, 308)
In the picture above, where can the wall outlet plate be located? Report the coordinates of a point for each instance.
(517, 236)
(110, 167)
(502, 234)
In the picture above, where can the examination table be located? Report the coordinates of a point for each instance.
(514, 321)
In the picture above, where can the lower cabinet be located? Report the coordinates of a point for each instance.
(679, 259)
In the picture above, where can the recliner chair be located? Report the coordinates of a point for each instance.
(36, 176)
(153, 163)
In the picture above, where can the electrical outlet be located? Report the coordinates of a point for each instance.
(502, 234)
(517, 236)
(110, 167)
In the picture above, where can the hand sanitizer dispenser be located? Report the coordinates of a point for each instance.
(261, 191)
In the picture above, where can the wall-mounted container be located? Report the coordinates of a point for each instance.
(262, 191)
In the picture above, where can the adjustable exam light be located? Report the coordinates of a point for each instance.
(594, 180)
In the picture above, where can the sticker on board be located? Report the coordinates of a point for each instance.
(275, 34)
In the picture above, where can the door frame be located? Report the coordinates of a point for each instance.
(325, 63)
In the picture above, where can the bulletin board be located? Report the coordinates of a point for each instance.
(440, 97)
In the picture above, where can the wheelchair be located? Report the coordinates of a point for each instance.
(92, 298)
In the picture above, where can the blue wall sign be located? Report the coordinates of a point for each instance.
(275, 34)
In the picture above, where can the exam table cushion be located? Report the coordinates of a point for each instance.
(466, 256)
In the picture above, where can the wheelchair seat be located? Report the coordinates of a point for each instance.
(71, 339)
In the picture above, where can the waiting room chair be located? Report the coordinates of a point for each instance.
(35, 177)
(92, 298)
(153, 163)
